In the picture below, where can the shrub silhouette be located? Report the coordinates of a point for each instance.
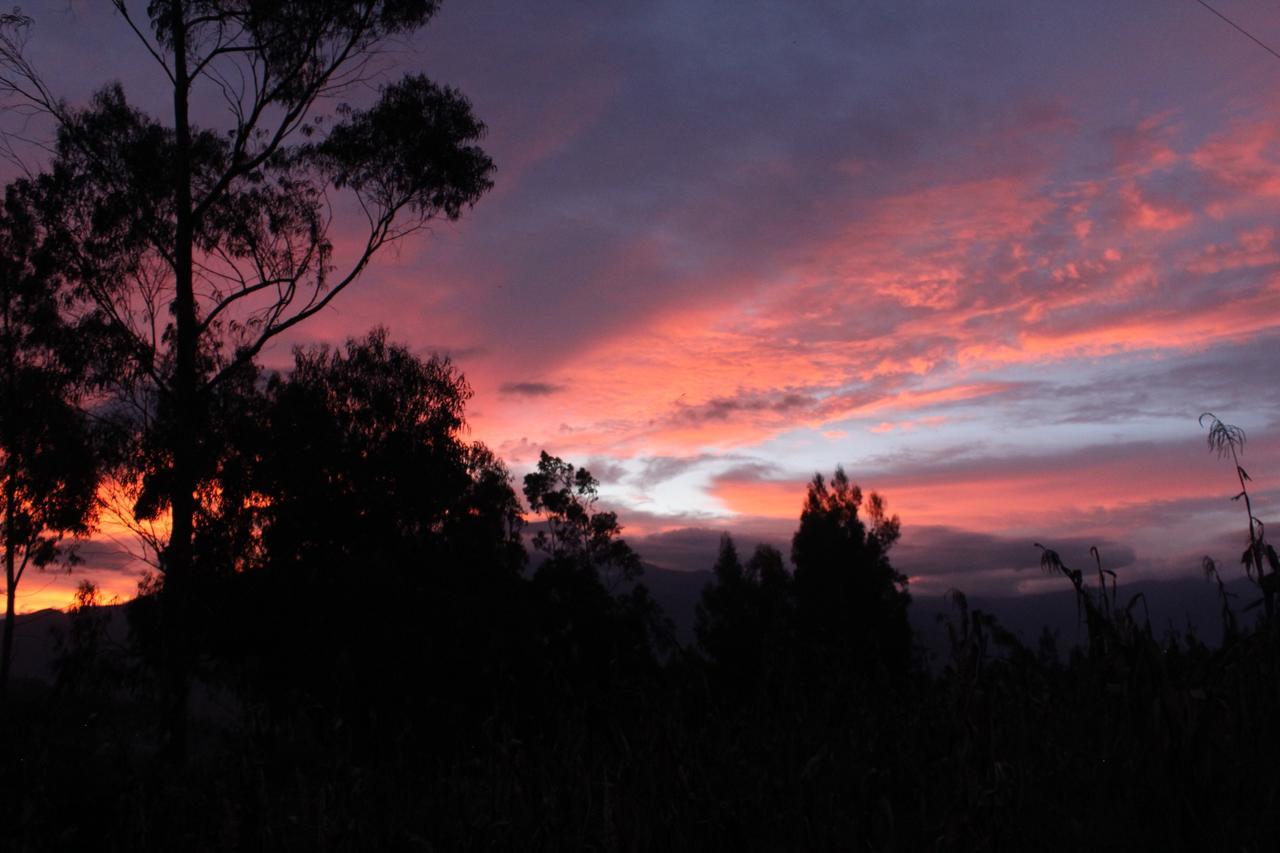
(1260, 560)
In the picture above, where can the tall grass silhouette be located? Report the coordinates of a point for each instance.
(1260, 560)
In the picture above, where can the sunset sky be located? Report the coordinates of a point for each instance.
(992, 258)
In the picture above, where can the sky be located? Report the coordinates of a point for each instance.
(993, 258)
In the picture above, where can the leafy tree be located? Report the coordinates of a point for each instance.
(366, 461)
(204, 243)
(595, 612)
(744, 617)
(575, 532)
(354, 484)
(850, 599)
(48, 472)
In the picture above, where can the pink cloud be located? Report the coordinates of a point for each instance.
(1142, 212)
(1245, 158)
(1109, 492)
(944, 280)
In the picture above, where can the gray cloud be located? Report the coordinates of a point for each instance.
(99, 555)
(691, 549)
(726, 407)
(659, 469)
(1231, 379)
(605, 470)
(454, 353)
(530, 389)
(949, 551)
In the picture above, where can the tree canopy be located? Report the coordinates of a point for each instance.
(848, 594)
(48, 467)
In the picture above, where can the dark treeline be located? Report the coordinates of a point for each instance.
(353, 638)
(379, 662)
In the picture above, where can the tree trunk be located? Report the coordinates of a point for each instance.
(6, 656)
(177, 563)
(10, 507)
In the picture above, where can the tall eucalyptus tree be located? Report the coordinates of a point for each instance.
(204, 241)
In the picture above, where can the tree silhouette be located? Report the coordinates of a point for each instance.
(366, 460)
(850, 599)
(594, 612)
(575, 532)
(204, 243)
(356, 528)
(745, 616)
(48, 473)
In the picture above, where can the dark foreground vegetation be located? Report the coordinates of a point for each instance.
(347, 643)
(379, 664)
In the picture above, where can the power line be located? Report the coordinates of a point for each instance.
(1241, 29)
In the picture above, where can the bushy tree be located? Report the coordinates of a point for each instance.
(367, 461)
(850, 598)
(48, 469)
(593, 611)
(375, 529)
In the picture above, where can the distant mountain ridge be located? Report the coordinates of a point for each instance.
(1173, 604)
(35, 639)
